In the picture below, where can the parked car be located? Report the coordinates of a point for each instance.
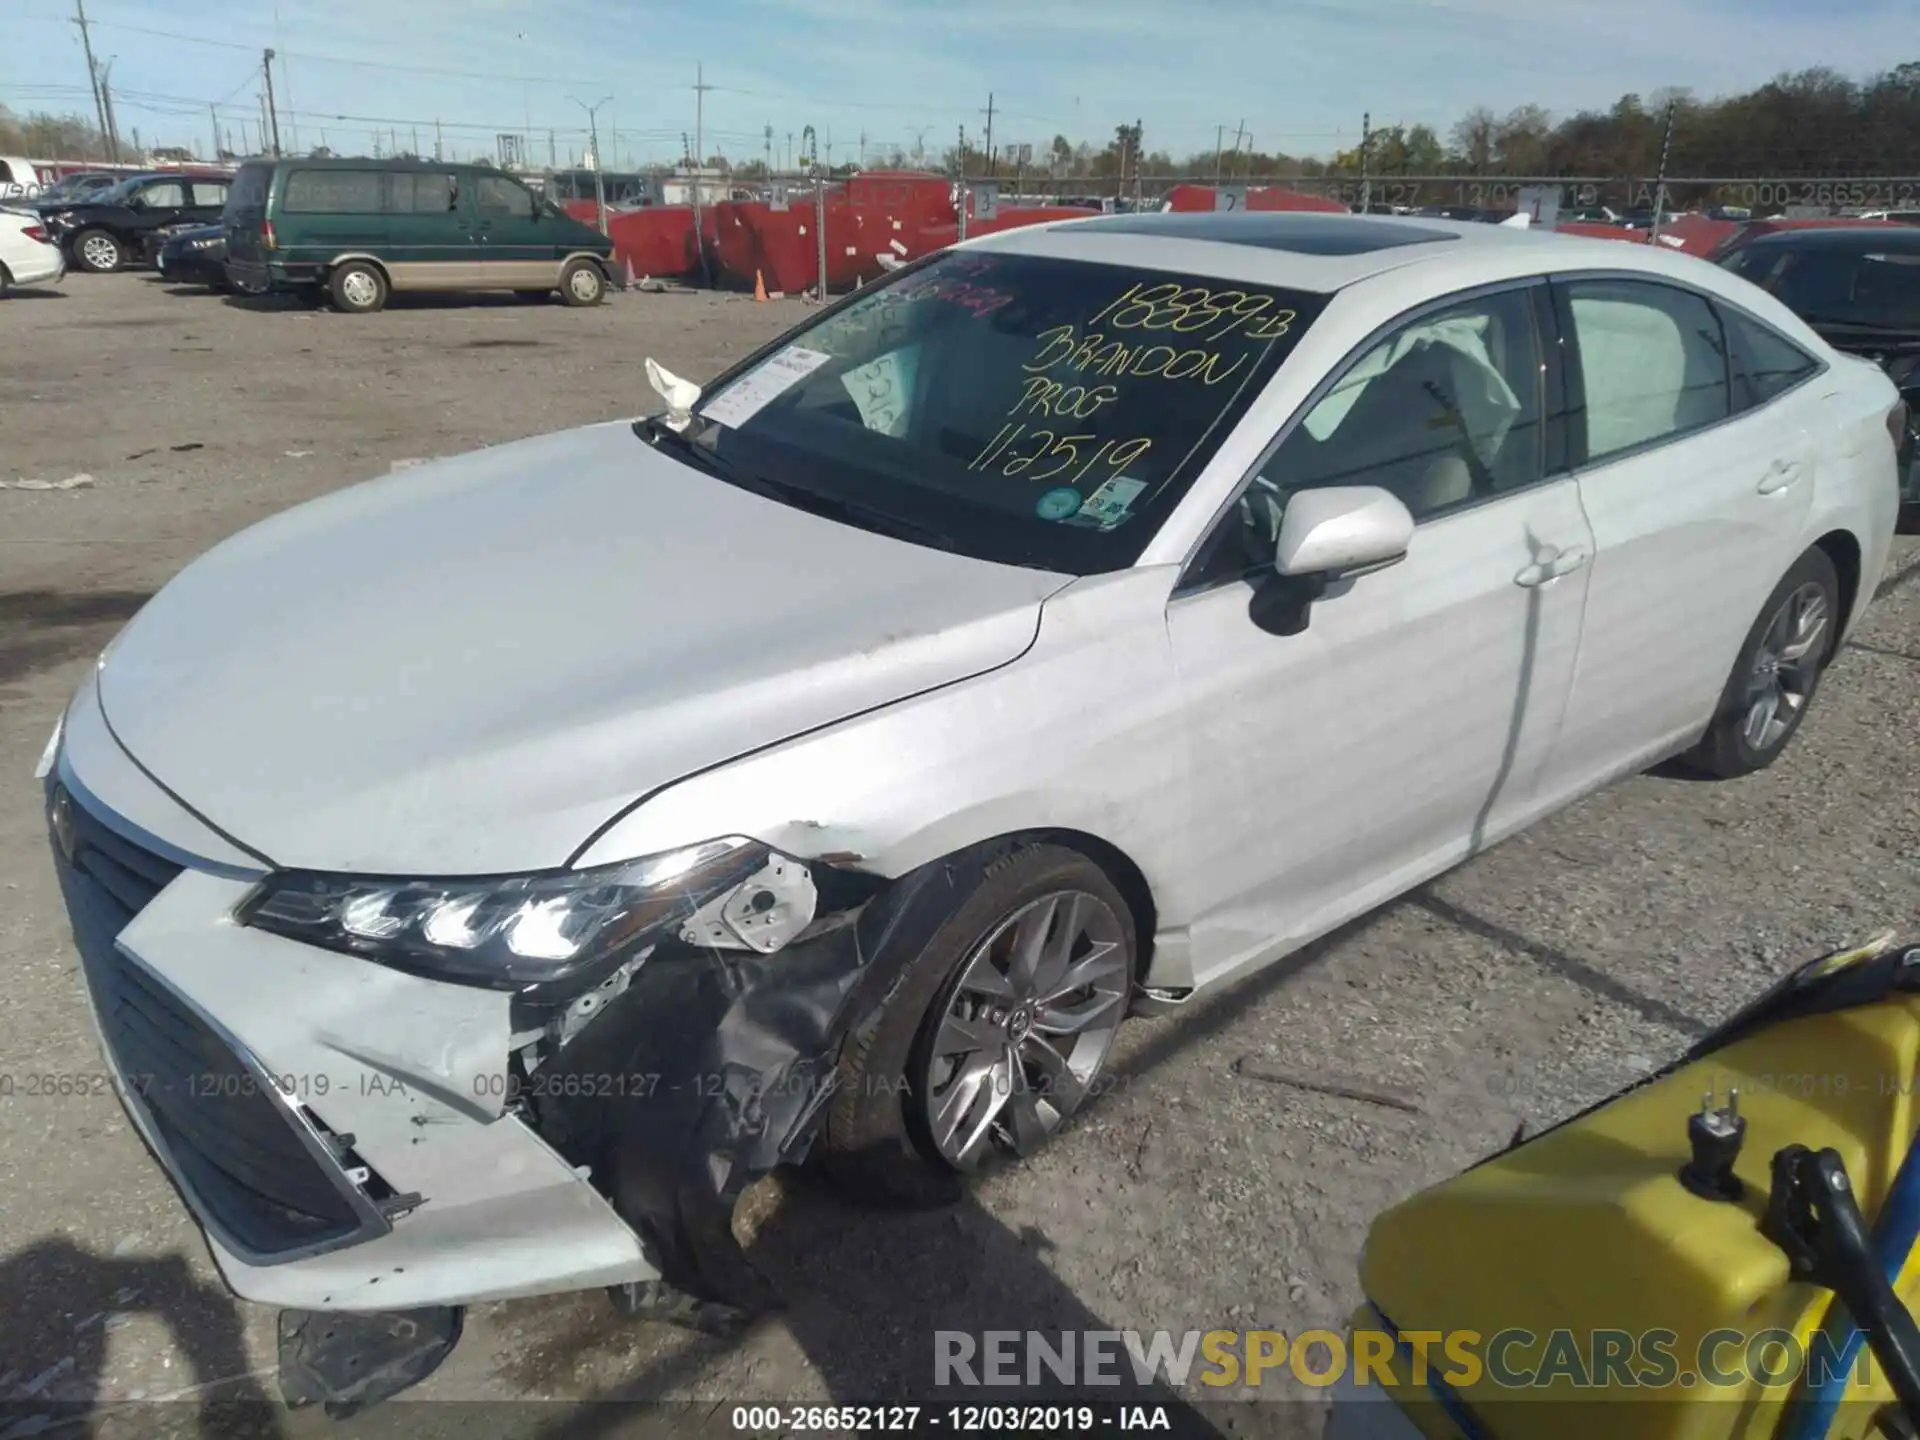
(19, 180)
(358, 230)
(196, 256)
(109, 229)
(1859, 287)
(1592, 215)
(1067, 624)
(80, 185)
(27, 255)
(1904, 217)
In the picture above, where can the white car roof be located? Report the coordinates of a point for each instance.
(1327, 252)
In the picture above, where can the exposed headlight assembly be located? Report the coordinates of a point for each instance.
(206, 244)
(517, 931)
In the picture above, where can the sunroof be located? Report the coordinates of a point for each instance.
(1302, 232)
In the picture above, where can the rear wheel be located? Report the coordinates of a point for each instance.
(581, 283)
(98, 251)
(357, 288)
(6, 282)
(997, 1035)
(1779, 669)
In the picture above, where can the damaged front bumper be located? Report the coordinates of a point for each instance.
(353, 1138)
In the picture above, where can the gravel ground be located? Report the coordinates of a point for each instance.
(1196, 1195)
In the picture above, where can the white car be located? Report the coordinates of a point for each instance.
(19, 179)
(27, 254)
(483, 873)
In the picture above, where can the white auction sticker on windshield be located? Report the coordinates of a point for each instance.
(762, 385)
(1108, 505)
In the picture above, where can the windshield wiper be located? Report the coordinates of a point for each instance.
(656, 432)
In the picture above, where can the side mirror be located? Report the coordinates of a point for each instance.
(1328, 535)
(1342, 530)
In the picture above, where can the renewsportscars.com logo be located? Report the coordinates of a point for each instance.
(1515, 1359)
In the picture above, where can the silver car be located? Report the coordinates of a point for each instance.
(482, 874)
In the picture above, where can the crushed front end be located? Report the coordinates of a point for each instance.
(357, 1137)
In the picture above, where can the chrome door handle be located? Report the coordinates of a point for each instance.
(1779, 476)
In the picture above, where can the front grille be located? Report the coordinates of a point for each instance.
(231, 1137)
(241, 1156)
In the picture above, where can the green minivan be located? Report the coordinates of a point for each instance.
(357, 231)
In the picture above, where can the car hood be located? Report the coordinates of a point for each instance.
(469, 666)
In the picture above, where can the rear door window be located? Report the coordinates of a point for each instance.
(1653, 361)
(210, 192)
(1765, 362)
(334, 192)
(164, 194)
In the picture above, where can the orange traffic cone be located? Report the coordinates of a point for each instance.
(759, 287)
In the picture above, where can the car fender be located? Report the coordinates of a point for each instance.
(1081, 733)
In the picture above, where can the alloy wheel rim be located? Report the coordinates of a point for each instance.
(1786, 667)
(359, 288)
(101, 253)
(1026, 1028)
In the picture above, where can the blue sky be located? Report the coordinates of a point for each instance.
(901, 72)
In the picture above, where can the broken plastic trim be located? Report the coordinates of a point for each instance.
(712, 1067)
(350, 1361)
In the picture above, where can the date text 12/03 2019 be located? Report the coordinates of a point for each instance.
(953, 1419)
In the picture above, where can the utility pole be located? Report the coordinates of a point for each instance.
(1139, 150)
(273, 111)
(700, 88)
(789, 150)
(863, 149)
(1238, 131)
(961, 154)
(599, 184)
(769, 139)
(106, 104)
(989, 132)
(213, 116)
(93, 70)
(1219, 139)
(1660, 181)
(1366, 145)
(553, 152)
(436, 140)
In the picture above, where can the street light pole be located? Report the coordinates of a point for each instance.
(593, 133)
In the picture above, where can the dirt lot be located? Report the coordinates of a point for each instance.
(1535, 979)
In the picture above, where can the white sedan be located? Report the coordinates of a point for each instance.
(27, 255)
(1072, 622)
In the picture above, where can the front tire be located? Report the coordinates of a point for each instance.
(1779, 669)
(581, 283)
(98, 251)
(996, 1036)
(357, 288)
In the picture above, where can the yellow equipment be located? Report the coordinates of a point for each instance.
(1662, 1266)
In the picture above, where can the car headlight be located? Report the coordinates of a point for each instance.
(509, 933)
(206, 244)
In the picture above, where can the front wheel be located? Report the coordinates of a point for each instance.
(97, 251)
(997, 1035)
(1779, 669)
(581, 283)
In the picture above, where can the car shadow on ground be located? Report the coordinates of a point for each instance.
(59, 1306)
(43, 628)
(473, 300)
(27, 292)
